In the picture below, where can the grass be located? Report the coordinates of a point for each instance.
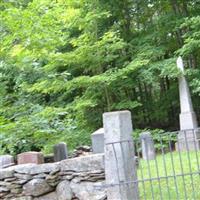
(180, 187)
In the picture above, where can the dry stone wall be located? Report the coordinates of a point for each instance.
(79, 178)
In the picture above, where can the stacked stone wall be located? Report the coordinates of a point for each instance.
(79, 178)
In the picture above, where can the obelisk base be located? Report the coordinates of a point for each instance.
(188, 140)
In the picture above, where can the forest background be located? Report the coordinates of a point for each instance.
(65, 62)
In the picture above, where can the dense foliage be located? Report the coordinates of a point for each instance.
(65, 62)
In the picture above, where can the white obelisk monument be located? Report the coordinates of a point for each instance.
(188, 137)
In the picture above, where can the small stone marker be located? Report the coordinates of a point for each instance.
(148, 149)
(60, 152)
(30, 157)
(98, 141)
(120, 166)
(6, 161)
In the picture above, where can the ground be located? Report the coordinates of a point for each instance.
(173, 187)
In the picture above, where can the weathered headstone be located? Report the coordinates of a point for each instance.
(148, 149)
(98, 141)
(30, 157)
(188, 137)
(6, 161)
(60, 152)
(120, 166)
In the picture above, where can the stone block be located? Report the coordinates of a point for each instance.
(98, 141)
(6, 173)
(39, 169)
(6, 160)
(36, 187)
(120, 166)
(191, 145)
(84, 163)
(193, 134)
(60, 152)
(64, 191)
(30, 157)
(188, 140)
(148, 149)
(86, 190)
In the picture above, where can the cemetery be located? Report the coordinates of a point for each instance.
(111, 173)
(118, 168)
(99, 100)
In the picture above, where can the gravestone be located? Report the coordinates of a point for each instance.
(98, 141)
(6, 161)
(120, 166)
(189, 136)
(60, 152)
(30, 157)
(148, 149)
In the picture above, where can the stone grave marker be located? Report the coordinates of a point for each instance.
(148, 149)
(6, 161)
(30, 157)
(60, 152)
(98, 141)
